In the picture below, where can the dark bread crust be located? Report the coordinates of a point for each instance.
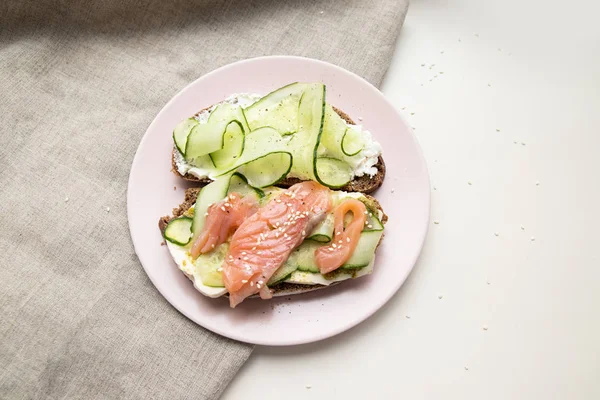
(281, 289)
(364, 184)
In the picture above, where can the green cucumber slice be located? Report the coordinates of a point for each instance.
(264, 161)
(334, 128)
(323, 232)
(352, 142)
(181, 133)
(278, 109)
(282, 273)
(304, 256)
(239, 184)
(179, 231)
(373, 222)
(305, 141)
(364, 251)
(225, 113)
(208, 266)
(210, 137)
(333, 172)
(211, 193)
(268, 169)
(233, 146)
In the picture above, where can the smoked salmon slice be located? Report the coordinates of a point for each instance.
(331, 257)
(264, 241)
(222, 219)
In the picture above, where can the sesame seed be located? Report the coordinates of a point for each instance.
(206, 214)
(259, 252)
(333, 245)
(537, 183)
(533, 239)
(254, 248)
(360, 118)
(285, 235)
(261, 282)
(212, 246)
(408, 317)
(243, 253)
(227, 205)
(369, 226)
(348, 239)
(522, 143)
(470, 183)
(496, 234)
(303, 233)
(222, 208)
(66, 199)
(258, 285)
(251, 283)
(340, 241)
(522, 228)
(289, 204)
(440, 296)
(392, 190)
(485, 327)
(245, 258)
(309, 386)
(244, 281)
(277, 200)
(107, 209)
(366, 212)
(219, 269)
(276, 234)
(466, 368)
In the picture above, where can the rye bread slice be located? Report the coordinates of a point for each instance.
(364, 184)
(281, 289)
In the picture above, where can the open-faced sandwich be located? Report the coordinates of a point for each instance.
(287, 136)
(284, 209)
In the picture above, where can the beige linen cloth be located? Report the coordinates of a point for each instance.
(80, 81)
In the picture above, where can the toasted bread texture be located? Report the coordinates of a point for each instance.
(364, 184)
(281, 289)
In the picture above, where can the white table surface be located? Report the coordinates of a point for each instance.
(503, 72)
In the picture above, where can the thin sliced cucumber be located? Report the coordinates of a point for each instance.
(334, 128)
(233, 146)
(209, 137)
(239, 184)
(181, 133)
(282, 273)
(278, 109)
(264, 161)
(208, 266)
(352, 142)
(364, 251)
(304, 256)
(305, 142)
(225, 113)
(268, 169)
(333, 172)
(323, 232)
(179, 231)
(211, 193)
(373, 222)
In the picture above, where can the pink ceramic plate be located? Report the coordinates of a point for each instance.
(303, 318)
